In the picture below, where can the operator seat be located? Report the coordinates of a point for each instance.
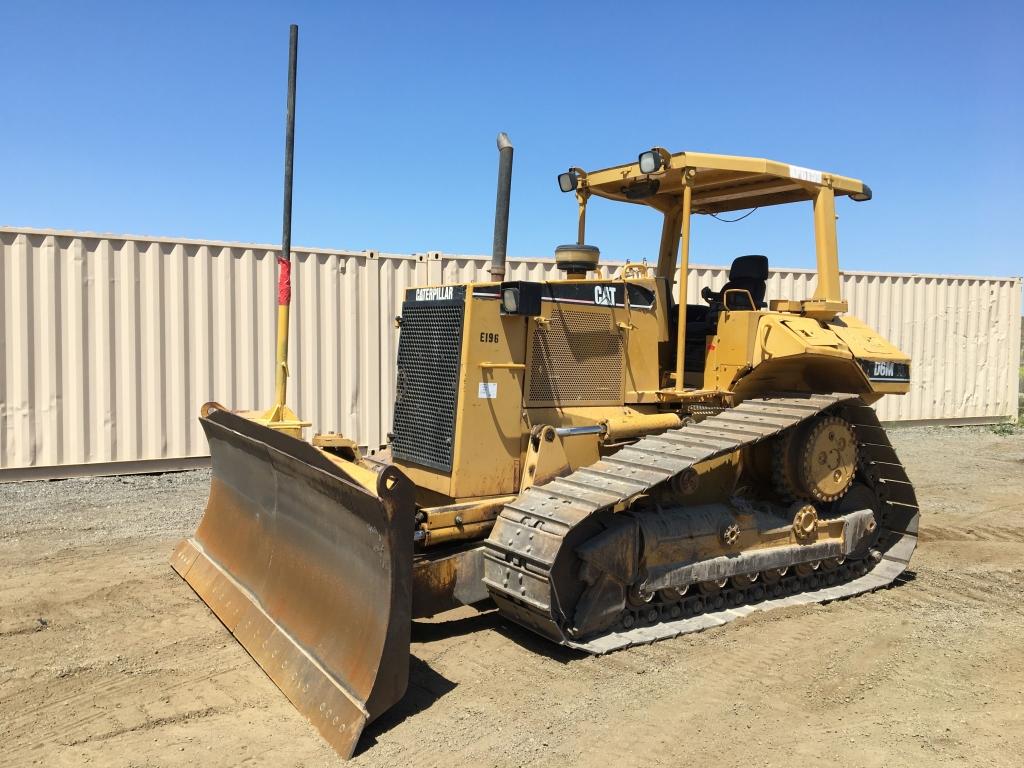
(748, 273)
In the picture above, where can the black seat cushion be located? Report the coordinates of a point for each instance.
(749, 273)
(752, 267)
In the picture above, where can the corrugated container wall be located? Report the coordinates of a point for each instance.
(111, 344)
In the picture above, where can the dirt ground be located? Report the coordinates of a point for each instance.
(108, 658)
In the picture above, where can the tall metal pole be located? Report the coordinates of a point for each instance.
(284, 279)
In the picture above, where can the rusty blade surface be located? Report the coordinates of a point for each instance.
(309, 571)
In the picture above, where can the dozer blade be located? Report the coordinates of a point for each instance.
(311, 572)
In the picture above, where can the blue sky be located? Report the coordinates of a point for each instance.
(167, 119)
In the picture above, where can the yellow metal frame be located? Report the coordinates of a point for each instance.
(702, 183)
(720, 183)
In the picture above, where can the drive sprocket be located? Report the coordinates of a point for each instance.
(816, 461)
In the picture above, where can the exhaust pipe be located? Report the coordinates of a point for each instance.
(501, 208)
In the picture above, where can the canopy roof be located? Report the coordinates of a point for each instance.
(720, 183)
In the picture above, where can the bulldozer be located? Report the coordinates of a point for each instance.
(601, 462)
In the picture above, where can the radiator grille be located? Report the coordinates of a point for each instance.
(426, 391)
(576, 359)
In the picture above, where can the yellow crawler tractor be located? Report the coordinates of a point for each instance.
(605, 465)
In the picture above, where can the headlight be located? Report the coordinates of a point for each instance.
(520, 297)
(650, 161)
(861, 197)
(510, 300)
(567, 181)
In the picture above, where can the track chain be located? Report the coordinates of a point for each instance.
(521, 552)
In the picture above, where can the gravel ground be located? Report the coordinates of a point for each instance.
(108, 658)
(71, 513)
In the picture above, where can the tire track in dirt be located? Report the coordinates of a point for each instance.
(150, 724)
(69, 717)
(977, 532)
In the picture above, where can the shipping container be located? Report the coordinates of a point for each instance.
(111, 343)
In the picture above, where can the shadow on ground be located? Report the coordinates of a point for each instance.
(490, 618)
(425, 687)
(428, 632)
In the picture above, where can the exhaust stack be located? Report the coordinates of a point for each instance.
(501, 208)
